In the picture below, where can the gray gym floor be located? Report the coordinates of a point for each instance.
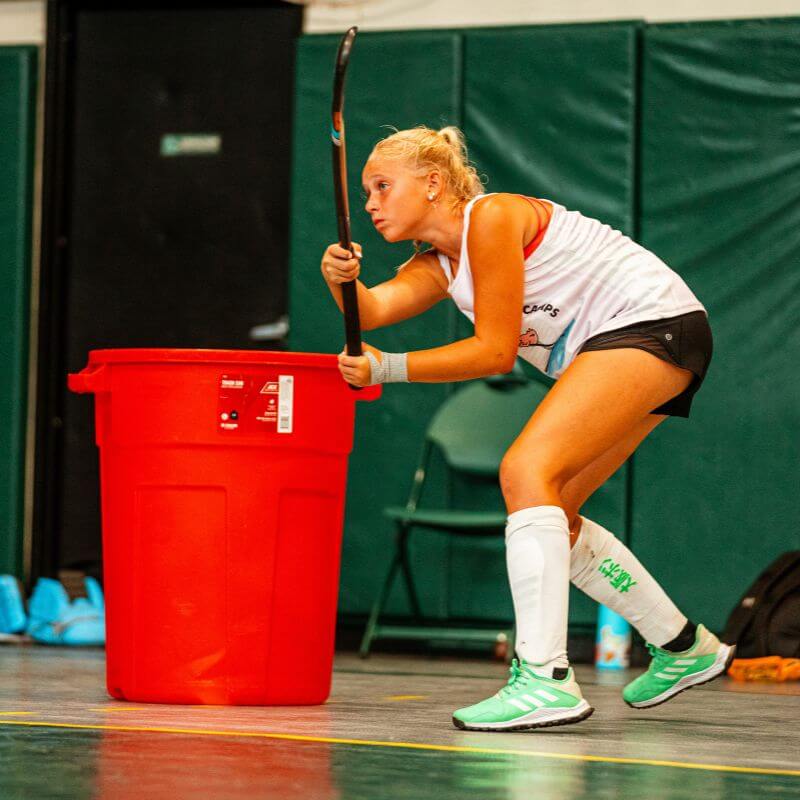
(385, 733)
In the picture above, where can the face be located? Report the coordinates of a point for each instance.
(395, 198)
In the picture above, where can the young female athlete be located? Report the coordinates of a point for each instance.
(629, 344)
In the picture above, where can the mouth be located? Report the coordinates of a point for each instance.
(377, 222)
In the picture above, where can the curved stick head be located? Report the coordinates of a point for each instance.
(342, 59)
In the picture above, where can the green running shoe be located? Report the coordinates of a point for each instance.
(670, 673)
(526, 701)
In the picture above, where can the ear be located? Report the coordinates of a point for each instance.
(435, 182)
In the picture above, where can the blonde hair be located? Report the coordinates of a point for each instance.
(424, 149)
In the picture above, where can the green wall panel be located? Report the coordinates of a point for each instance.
(389, 431)
(715, 497)
(17, 117)
(549, 111)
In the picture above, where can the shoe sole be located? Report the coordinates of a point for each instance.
(719, 667)
(581, 712)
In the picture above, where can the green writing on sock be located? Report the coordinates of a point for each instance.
(617, 577)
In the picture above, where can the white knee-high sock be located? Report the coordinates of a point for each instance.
(608, 572)
(537, 554)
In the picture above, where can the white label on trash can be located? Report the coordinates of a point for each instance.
(285, 403)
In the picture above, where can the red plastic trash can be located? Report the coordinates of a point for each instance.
(222, 479)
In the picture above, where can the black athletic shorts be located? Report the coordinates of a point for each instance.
(684, 340)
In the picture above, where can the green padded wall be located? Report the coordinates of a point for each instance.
(715, 497)
(560, 123)
(550, 127)
(17, 120)
(555, 128)
(389, 431)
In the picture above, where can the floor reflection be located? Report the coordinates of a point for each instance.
(165, 766)
(70, 763)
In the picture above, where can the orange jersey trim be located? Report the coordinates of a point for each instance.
(544, 212)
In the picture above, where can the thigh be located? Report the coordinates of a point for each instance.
(601, 398)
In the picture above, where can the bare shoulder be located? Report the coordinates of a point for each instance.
(504, 211)
(502, 205)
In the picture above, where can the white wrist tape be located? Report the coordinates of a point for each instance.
(392, 368)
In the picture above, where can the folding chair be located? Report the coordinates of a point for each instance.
(472, 429)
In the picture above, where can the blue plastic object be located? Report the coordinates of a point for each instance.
(12, 606)
(52, 619)
(613, 646)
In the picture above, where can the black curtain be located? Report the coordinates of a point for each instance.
(166, 212)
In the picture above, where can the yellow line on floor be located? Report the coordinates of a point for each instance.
(397, 698)
(445, 748)
(15, 713)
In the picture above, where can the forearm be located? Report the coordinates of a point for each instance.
(368, 306)
(460, 361)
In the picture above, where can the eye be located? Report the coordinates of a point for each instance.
(382, 183)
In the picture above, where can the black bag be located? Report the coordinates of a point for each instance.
(766, 622)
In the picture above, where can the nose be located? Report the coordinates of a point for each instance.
(370, 205)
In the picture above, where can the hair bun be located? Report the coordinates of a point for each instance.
(451, 136)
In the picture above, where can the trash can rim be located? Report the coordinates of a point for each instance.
(140, 355)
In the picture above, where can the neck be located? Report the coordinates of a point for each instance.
(443, 229)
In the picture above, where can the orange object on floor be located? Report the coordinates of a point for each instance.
(773, 669)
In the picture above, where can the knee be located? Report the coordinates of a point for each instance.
(529, 481)
(572, 508)
(574, 521)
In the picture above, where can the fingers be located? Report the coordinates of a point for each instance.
(335, 273)
(340, 265)
(352, 376)
(337, 251)
(354, 369)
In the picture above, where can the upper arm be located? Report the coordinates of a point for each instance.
(495, 242)
(418, 285)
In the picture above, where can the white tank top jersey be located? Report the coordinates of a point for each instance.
(584, 278)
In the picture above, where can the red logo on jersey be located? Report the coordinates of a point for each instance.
(531, 339)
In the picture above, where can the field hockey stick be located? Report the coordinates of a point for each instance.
(352, 324)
